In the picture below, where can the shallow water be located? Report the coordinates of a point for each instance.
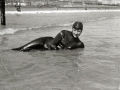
(29, 21)
(94, 68)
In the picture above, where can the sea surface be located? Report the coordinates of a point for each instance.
(96, 67)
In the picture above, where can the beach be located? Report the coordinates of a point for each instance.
(96, 67)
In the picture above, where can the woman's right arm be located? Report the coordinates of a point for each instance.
(56, 41)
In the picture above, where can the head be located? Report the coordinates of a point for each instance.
(77, 29)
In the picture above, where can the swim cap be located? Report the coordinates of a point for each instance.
(78, 26)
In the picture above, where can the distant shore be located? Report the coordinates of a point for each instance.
(80, 7)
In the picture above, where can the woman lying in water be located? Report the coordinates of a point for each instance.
(63, 40)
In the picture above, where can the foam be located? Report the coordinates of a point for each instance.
(8, 31)
(59, 11)
(13, 30)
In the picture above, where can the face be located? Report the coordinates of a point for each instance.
(76, 33)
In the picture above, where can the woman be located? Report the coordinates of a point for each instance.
(63, 40)
(69, 39)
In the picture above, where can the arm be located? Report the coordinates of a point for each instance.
(75, 45)
(56, 41)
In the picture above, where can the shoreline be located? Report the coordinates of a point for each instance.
(58, 11)
(78, 7)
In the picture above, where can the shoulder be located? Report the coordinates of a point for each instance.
(82, 45)
(65, 32)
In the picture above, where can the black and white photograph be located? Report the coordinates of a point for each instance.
(60, 45)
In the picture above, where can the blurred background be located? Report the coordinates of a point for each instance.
(61, 3)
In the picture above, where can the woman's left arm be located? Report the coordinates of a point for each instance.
(74, 45)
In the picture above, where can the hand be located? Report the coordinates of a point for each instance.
(53, 47)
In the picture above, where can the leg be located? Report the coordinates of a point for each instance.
(35, 44)
(39, 43)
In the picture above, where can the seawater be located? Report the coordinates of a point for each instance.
(30, 20)
(96, 67)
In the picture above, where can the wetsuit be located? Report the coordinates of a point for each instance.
(63, 40)
(66, 40)
(42, 43)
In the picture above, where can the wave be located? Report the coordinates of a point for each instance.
(8, 31)
(58, 11)
(13, 30)
(102, 18)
